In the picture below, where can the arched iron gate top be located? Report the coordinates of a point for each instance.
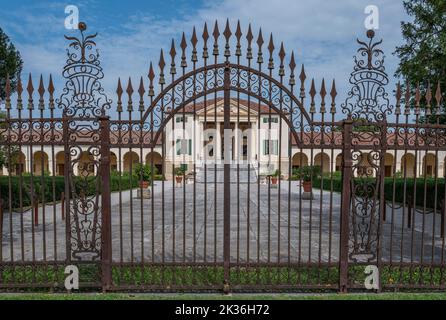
(237, 54)
(192, 85)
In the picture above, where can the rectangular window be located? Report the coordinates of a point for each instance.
(271, 147)
(184, 146)
(273, 120)
(180, 119)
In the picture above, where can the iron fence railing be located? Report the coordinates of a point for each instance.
(232, 175)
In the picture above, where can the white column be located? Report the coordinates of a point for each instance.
(218, 142)
(200, 142)
(50, 166)
(28, 161)
(121, 161)
(254, 137)
(419, 164)
(236, 142)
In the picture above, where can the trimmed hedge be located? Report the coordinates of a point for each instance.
(88, 186)
(14, 188)
(427, 191)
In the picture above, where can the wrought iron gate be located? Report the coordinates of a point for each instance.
(228, 178)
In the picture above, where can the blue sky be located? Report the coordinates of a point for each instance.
(131, 33)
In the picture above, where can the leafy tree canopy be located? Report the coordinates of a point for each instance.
(423, 55)
(10, 63)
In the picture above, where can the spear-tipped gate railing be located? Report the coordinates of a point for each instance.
(259, 231)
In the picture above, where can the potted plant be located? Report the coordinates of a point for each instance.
(306, 174)
(275, 177)
(144, 174)
(179, 172)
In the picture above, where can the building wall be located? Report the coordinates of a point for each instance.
(267, 150)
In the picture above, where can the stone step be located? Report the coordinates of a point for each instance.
(214, 173)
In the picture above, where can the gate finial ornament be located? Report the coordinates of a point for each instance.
(368, 99)
(83, 95)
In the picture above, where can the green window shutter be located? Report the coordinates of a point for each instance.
(178, 146)
(265, 120)
(190, 147)
(265, 147)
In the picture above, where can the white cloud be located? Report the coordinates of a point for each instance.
(322, 33)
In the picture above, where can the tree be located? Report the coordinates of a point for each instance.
(9, 154)
(10, 64)
(423, 56)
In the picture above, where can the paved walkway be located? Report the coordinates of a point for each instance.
(297, 230)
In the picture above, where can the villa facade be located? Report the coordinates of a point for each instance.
(259, 137)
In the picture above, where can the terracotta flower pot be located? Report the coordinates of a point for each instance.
(144, 184)
(307, 186)
(274, 180)
(179, 179)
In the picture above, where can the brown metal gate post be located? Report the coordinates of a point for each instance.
(68, 176)
(345, 205)
(227, 186)
(106, 247)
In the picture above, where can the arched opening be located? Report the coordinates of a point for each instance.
(338, 165)
(408, 165)
(18, 164)
(299, 159)
(429, 165)
(322, 160)
(130, 160)
(113, 162)
(388, 165)
(40, 163)
(157, 161)
(60, 163)
(274, 105)
(86, 165)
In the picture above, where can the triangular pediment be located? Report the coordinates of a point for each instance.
(238, 107)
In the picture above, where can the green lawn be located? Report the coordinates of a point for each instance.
(384, 296)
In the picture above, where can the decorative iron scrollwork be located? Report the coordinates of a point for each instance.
(365, 207)
(83, 101)
(83, 95)
(368, 99)
(367, 104)
(195, 85)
